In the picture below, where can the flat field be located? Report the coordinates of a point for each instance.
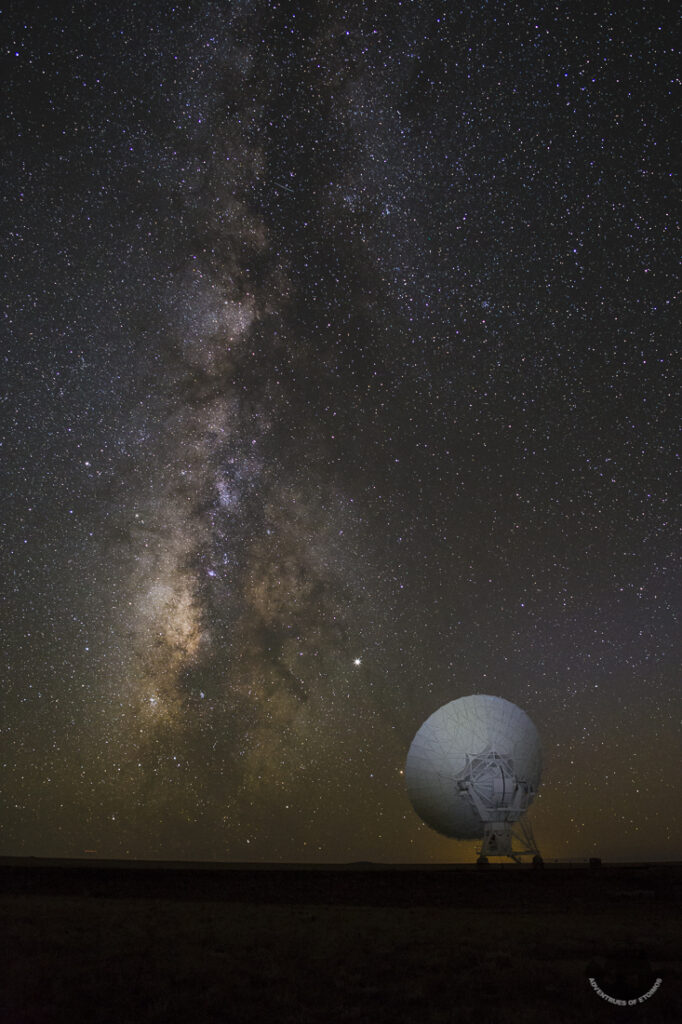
(129, 944)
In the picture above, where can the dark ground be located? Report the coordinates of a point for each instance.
(95, 943)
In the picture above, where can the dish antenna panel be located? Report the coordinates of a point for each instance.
(473, 770)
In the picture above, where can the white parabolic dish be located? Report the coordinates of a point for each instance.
(457, 736)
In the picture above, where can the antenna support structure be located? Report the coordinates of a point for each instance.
(499, 798)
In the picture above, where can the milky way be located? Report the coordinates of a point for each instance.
(244, 583)
(341, 384)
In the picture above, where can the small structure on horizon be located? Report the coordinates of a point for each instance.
(473, 770)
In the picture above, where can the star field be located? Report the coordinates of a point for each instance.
(341, 370)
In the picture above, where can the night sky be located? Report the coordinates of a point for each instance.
(339, 381)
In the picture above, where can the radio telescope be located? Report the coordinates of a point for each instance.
(473, 770)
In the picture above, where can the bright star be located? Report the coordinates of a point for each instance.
(357, 661)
